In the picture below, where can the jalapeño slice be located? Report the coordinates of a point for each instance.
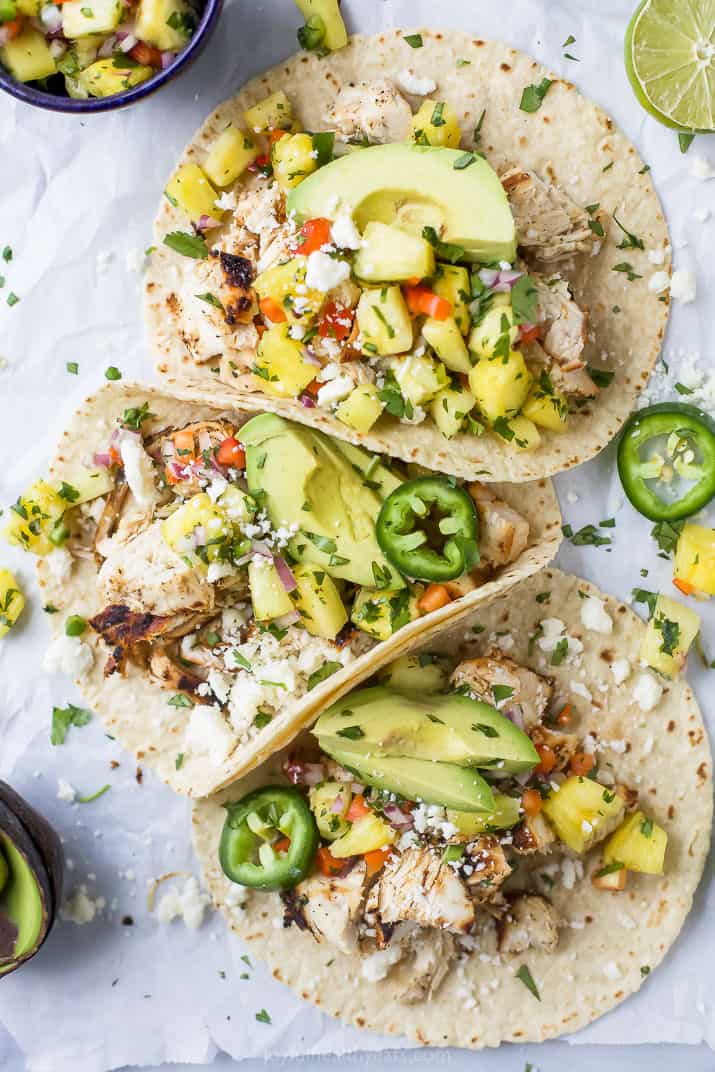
(269, 839)
(666, 460)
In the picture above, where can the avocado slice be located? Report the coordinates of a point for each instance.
(26, 902)
(419, 779)
(381, 479)
(414, 186)
(447, 727)
(301, 477)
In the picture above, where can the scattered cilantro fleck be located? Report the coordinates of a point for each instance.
(94, 796)
(646, 828)
(63, 718)
(179, 700)
(446, 251)
(323, 672)
(670, 631)
(188, 245)
(112, 373)
(68, 492)
(624, 266)
(50, 608)
(464, 161)
(630, 241)
(685, 141)
(560, 651)
(666, 534)
(210, 299)
(524, 976)
(134, 417)
(533, 96)
(463, 63)
(485, 728)
(501, 692)
(353, 733)
(645, 970)
(608, 166)
(682, 389)
(413, 40)
(601, 377)
(642, 595)
(179, 761)
(609, 869)
(524, 300)
(12, 299)
(72, 367)
(263, 1017)
(7, 254)
(588, 536)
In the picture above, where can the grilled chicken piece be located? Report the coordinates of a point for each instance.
(564, 329)
(531, 921)
(111, 514)
(121, 629)
(417, 886)
(329, 907)
(170, 674)
(503, 533)
(236, 291)
(531, 692)
(207, 435)
(145, 575)
(489, 868)
(372, 110)
(563, 745)
(532, 835)
(430, 953)
(549, 225)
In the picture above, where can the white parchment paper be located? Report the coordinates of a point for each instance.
(76, 204)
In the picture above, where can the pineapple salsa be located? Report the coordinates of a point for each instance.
(92, 48)
(432, 811)
(399, 280)
(242, 565)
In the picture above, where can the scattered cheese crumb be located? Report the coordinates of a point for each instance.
(620, 668)
(659, 282)
(324, 272)
(68, 655)
(683, 287)
(412, 83)
(66, 791)
(701, 168)
(647, 691)
(188, 904)
(595, 616)
(80, 908)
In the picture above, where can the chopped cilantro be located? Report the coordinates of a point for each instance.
(12, 299)
(353, 733)
(624, 266)
(7, 254)
(112, 373)
(524, 976)
(188, 245)
(646, 828)
(601, 377)
(323, 672)
(560, 652)
(533, 96)
(666, 534)
(94, 796)
(210, 299)
(642, 595)
(501, 692)
(134, 417)
(72, 367)
(63, 718)
(630, 241)
(263, 1017)
(446, 251)
(179, 700)
(413, 40)
(524, 300)
(464, 161)
(670, 631)
(609, 869)
(179, 761)
(487, 730)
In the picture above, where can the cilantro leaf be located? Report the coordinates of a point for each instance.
(533, 96)
(63, 718)
(188, 245)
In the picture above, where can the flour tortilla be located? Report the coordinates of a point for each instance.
(599, 959)
(569, 141)
(133, 707)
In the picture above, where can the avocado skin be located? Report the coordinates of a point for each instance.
(438, 726)
(434, 783)
(39, 849)
(413, 186)
(286, 464)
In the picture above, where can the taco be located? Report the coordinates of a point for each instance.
(496, 840)
(441, 252)
(217, 575)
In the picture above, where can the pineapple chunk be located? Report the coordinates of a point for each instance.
(452, 283)
(389, 254)
(384, 321)
(293, 158)
(446, 340)
(269, 598)
(611, 880)
(436, 123)
(471, 823)
(93, 17)
(695, 559)
(500, 385)
(179, 530)
(448, 409)
(229, 156)
(35, 521)
(189, 188)
(284, 372)
(496, 323)
(670, 632)
(583, 812)
(332, 824)
(546, 407)
(272, 113)
(336, 36)
(83, 485)
(361, 408)
(420, 378)
(382, 611)
(286, 282)
(166, 24)
(318, 600)
(522, 433)
(366, 835)
(103, 79)
(27, 57)
(12, 601)
(639, 844)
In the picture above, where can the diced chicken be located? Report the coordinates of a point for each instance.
(111, 514)
(329, 907)
(236, 292)
(533, 835)
(503, 533)
(170, 674)
(550, 226)
(563, 745)
(431, 953)
(146, 576)
(564, 329)
(531, 922)
(530, 692)
(485, 867)
(375, 111)
(418, 886)
(123, 630)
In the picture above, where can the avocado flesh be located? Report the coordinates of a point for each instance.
(413, 186)
(43, 836)
(446, 727)
(370, 464)
(289, 467)
(24, 906)
(419, 779)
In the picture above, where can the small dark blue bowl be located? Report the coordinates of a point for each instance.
(54, 102)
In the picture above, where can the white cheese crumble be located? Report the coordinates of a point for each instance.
(66, 791)
(59, 563)
(207, 733)
(188, 904)
(324, 273)
(683, 286)
(413, 83)
(580, 690)
(701, 168)
(611, 970)
(138, 468)
(656, 256)
(659, 282)
(335, 390)
(647, 691)
(68, 655)
(375, 966)
(621, 669)
(594, 615)
(80, 908)
(344, 233)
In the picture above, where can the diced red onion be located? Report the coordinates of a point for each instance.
(285, 573)
(260, 547)
(338, 804)
(107, 47)
(167, 58)
(306, 400)
(514, 715)
(488, 276)
(311, 359)
(103, 460)
(347, 868)
(356, 787)
(400, 819)
(128, 43)
(285, 620)
(299, 773)
(506, 280)
(205, 223)
(177, 470)
(204, 441)
(243, 560)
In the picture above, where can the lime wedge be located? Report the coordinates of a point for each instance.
(670, 60)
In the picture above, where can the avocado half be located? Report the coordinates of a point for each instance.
(31, 874)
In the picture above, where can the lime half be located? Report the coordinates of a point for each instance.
(670, 60)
